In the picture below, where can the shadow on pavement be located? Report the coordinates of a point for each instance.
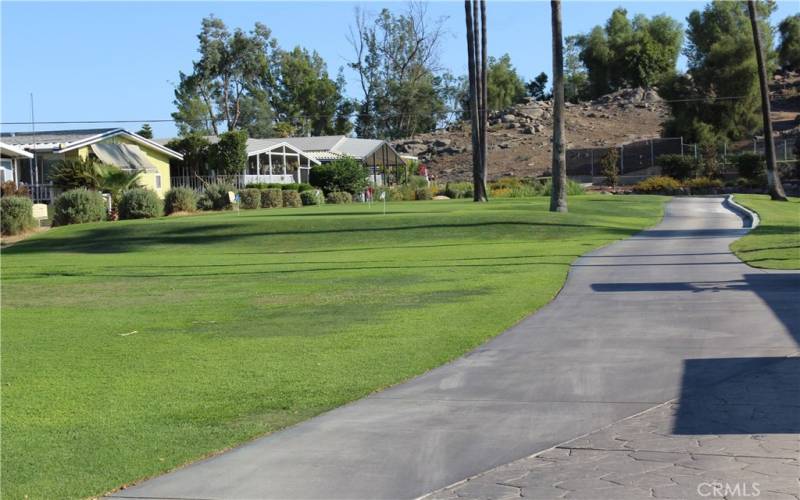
(765, 397)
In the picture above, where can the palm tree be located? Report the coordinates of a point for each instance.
(115, 181)
(773, 179)
(558, 194)
(477, 91)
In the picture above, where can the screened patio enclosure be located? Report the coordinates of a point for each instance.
(384, 164)
(277, 163)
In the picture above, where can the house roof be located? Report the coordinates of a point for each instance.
(61, 141)
(10, 151)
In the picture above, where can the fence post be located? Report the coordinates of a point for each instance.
(785, 151)
(755, 145)
(591, 160)
(681, 146)
(652, 157)
(622, 159)
(695, 151)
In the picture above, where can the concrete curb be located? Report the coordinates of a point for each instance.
(749, 217)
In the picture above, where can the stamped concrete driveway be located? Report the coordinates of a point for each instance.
(638, 323)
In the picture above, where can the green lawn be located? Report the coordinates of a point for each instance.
(775, 243)
(130, 348)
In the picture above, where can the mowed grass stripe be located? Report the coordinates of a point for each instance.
(775, 243)
(131, 348)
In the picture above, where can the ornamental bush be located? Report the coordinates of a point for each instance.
(458, 190)
(250, 198)
(346, 174)
(16, 215)
(424, 193)
(291, 199)
(751, 166)
(140, 203)
(271, 198)
(659, 184)
(311, 197)
(217, 195)
(338, 197)
(677, 166)
(77, 206)
(180, 199)
(703, 185)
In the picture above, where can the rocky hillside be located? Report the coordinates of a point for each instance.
(519, 137)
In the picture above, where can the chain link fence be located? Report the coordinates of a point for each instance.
(639, 159)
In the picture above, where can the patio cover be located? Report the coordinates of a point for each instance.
(125, 156)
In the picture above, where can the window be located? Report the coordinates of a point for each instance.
(158, 181)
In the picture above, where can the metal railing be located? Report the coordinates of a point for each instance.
(238, 181)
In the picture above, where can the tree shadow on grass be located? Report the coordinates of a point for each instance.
(128, 237)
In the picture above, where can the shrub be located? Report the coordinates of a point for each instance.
(271, 198)
(250, 198)
(337, 197)
(573, 188)
(291, 199)
(73, 173)
(140, 203)
(609, 168)
(423, 193)
(10, 188)
(311, 197)
(217, 195)
(204, 202)
(16, 215)
(709, 156)
(77, 206)
(304, 186)
(677, 166)
(180, 200)
(701, 185)
(500, 192)
(458, 190)
(657, 184)
(257, 185)
(395, 195)
(346, 174)
(417, 181)
(290, 187)
(751, 166)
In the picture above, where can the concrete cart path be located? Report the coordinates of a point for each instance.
(645, 320)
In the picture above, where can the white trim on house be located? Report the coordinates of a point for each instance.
(113, 133)
(287, 146)
(14, 152)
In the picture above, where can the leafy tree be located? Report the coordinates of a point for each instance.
(609, 167)
(639, 53)
(396, 58)
(722, 68)
(194, 148)
(229, 154)
(537, 88)
(576, 81)
(146, 131)
(306, 98)
(345, 174)
(505, 87)
(229, 67)
(789, 50)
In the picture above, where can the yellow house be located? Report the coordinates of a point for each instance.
(113, 146)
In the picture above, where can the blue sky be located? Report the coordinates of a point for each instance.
(119, 60)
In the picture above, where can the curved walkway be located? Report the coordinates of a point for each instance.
(640, 322)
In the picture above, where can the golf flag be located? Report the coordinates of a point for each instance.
(383, 195)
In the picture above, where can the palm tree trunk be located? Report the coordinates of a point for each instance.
(473, 101)
(773, 179)
(484, 112)
(558, 194)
